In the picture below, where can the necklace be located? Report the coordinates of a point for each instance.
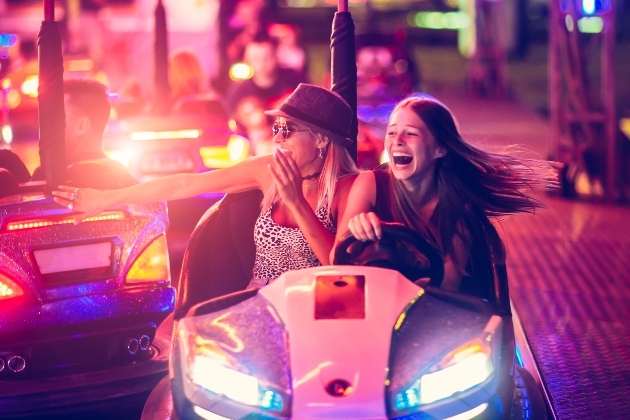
(310, 183)
(312, 176)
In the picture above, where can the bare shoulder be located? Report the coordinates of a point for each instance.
(366, 180)
(364, 187)
(345, 182)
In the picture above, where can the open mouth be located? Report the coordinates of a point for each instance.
(402, 159)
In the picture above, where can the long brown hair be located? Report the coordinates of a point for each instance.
(472, 184)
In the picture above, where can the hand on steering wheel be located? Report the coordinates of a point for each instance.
(388, 252)
(366, 227)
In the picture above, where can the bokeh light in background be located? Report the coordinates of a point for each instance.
(241, 71)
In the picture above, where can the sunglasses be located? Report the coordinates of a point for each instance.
(284, 129)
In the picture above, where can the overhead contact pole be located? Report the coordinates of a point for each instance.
(344, 66)
(160, 60)
(52, 116)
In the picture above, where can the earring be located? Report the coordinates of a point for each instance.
(322, 154)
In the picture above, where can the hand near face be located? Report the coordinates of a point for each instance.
(366, 227)
(287, 177)
(86, 201)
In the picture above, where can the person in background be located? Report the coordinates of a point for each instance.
(87, 108)
(250, 113)
(240, 21)
(446, 189)
(186, 76)
(290, 54)
(269, 82)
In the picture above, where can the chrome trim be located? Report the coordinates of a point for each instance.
(144, 342)
(133, 346)
(21, 364)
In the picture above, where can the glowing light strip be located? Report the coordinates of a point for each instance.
(439, 20)
(37, 223)
(208, 415)
(165, 135)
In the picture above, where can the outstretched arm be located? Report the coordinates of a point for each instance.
(244, 176)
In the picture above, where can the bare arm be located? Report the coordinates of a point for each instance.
(360, 200)
(244, 176)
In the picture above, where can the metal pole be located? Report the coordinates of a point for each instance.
(162, 87)
(608, 96)
(554, 79)
(52, 117)
(49, 10)
(344, 66)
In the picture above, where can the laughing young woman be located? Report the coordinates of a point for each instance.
(306, 183)
(444, 188)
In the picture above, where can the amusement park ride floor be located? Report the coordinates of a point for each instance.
(569, 271)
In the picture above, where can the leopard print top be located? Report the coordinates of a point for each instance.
(280, 249)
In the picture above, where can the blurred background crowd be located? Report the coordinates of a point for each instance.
(232, 59)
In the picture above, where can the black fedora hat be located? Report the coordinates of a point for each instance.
(320, 109)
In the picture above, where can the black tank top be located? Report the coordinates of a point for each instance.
(478, 268)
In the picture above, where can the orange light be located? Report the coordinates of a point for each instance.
(78, 65)
(30, 86)
(37, 223)
(166, 135)
(152, 265)
(8, 288)
(465, 351)
(237, 150)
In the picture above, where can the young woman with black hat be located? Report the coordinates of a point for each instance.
(305, 182)
(445, 188)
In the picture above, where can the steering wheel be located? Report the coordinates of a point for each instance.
(390, 252)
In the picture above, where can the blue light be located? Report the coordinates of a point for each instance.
(519, 358)
(365, 113)
(588, 6)
(271, 400)
(8, 40)
(407, 399)
(384, 111)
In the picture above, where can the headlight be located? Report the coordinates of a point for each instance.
(215, 371)
(227, 370)
(460, 370)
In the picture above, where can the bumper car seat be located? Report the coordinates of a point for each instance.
(220, 254)
(8, 183)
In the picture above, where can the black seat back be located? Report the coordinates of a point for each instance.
(220, 254)
(8, 183)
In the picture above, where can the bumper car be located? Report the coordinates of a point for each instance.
(79, 305)
(364, 339)
(197, 136)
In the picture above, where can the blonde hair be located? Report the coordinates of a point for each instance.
(186, 76)
(337, 164)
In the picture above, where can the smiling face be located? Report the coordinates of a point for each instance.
(412, 149)
(302, 145)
